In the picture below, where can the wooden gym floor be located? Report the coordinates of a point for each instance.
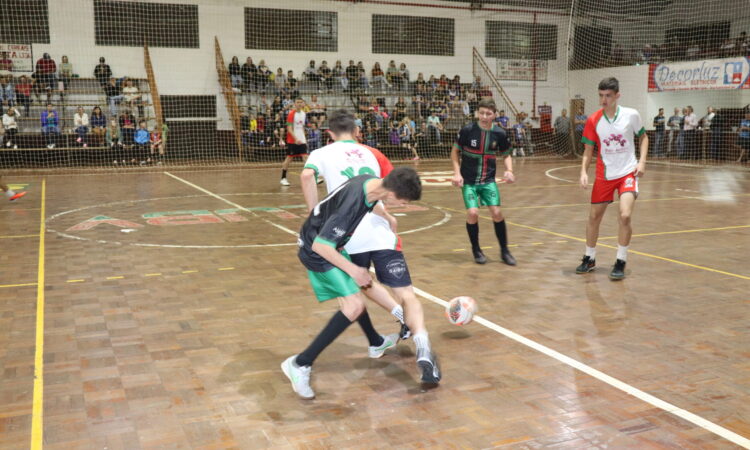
(168, 308)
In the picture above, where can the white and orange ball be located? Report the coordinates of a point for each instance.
(461, 310)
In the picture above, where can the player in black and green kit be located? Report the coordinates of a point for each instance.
(478, 145)
(332, 275)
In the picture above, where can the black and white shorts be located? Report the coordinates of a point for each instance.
(390, 266)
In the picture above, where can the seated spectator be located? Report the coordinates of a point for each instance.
(476, 85)
(45, 74)
(399, 109)
(326, 76)
(132, 97)
(392, 75)
(157, 144)
(102, 72)
(340, 75)
(362, 76)
(279, 81)
(7, 94)
(142, 140)
(98, 124)
(248, 128)
(250, 79)
(23, 93)
(418, 109)
(314, 137)
(114, 141)
(10, 123)
(352, 76)
(65, 74)
(263, 76)
(434, 126)
(454, 86)
(317, 112)
(287, 102)
(50, 125)
(81, 126)
(127, 128)
(377, 76)
(311, 74)
(420, 84)
(114, 96)
(235, 73)
(6, 64)
(276, 106)
(403, 72)
(291, 84)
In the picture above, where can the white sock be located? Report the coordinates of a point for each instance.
(422, 341)
(9, 193)
(622, 252)
(591, 252)
(398, 312)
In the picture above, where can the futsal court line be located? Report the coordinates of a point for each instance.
(649, 255)
(37, 427)
(614, 382)
(19, 236)
(696, 230)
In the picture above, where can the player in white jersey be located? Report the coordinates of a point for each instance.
(612, 130)
(10, 193)
(374, 241)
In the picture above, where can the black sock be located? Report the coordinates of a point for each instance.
(338, 323)
(375, 339)
(473, 230)
(283, 173)
(502, 234)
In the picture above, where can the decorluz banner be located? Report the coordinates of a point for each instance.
(728, 73)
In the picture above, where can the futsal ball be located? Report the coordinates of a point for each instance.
(461, 310)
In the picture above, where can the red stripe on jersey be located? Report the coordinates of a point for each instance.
(484, 159)
(385, 164)
(398, 243)
(590, 133)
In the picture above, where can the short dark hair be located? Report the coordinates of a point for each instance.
(609, 84)
(405, 183)
(341, 121)
(487, 103)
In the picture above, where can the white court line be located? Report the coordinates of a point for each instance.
(601, 376)
(548, 173)
(614, 382)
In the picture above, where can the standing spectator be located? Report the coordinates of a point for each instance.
(521, 137)
(158, 138)
(45, 73)
(6, 64)
(392, 75)
(691, 125)
(378, 77)
(311, 74)
(132, 97)
(235, 73)
(291, 84)
(7, 94)
(659, 122)
(743, 137)
(81, 124)
(362, 76)
(434, 127)
(98, 125)
(279, 81)
(399, 109)
(50, 125)
(23, 93)
(579, 122)
(249, 72)
(65, 74)
(102, 72)
(339, 74)
(674, 129)
(10, 124)
(326, 76)
(406, 136)
(503, 120)
(705, 125)
(114, 140)
(142, 140)
(127, 128)
(114, 96)
(562, 132)
(315, 137)
(403, 72)
(352, 76)
(263, 76)
(681, 135)
(317, 111)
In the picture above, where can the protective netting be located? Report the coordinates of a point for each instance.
(101, 83)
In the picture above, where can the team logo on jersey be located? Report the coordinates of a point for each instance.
(494, 144)
(629, 182)
(615, 139)
(396, 268)
(338, 232)
(355, 152)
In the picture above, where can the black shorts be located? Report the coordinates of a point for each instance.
(390, 266)
(296, 149)
(744, 143)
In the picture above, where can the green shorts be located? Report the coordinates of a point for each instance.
(332, 283)
(476, 195)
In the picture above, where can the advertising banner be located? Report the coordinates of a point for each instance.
(521, 69)
(727, 73)
(21, 55)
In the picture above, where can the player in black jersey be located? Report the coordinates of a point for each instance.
(478, 145)
(332, 275)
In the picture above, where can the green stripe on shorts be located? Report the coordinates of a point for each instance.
(476, 195)
(332, 283)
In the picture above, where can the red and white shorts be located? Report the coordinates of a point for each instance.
(604, 190)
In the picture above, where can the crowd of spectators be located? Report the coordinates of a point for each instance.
(676, 49)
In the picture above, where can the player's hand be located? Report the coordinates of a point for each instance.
(392, 222)
(640, 170)
(361, 276)
(457, 180)
(584, 180)
(509, 177)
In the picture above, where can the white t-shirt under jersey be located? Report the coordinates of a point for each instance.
(337, 163)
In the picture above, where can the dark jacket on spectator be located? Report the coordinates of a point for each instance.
(98, 121)
(103, 73)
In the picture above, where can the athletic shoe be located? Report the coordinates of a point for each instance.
(388, 342)
(507, 257)
(85, 145)
(479, 257)
(405, 332)
(320, 180)
(79, 140)
(285, 182)
(299, 376)
(15, 147)
(114, 162)
(16, 196)
(618, 271)
(428, 364)
(7, 144)
(588, 264)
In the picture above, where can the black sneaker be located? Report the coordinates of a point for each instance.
(618, 271)
(507, 257)
(587, 265)
(479, 257)
(405, 332)
(428, 364)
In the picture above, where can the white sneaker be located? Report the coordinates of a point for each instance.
(7, 144)
(299, 376)
(285, 182)
(15, 147)
(388, 342)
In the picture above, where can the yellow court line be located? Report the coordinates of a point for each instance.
(16, 285)
(37, 428)
(225, 268)
(542, 230)
(76, 281)
(158, 274)
(119, 277)
(19, 236)
(682, 231)
(189, 271)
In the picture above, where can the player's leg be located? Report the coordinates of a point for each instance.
(489, 195)
(471, 201)
(10, 193)
(628, 193)
(285, 167)
(596, 213)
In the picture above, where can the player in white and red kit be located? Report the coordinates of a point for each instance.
(296, 142)
(613, 131)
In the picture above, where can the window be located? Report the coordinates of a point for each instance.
(133, 24)
(592, 47)
(24, 22)
(291, 29)
(519, 40)
(188, 106)
(411, 35)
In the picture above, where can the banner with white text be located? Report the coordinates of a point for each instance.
(21, 56)
(727, 73)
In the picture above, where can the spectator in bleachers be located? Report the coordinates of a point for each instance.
(434, 126)
(45, 74)
(65, 74)
(263, 76)
(503, 120)
(127, 128)
(472, 101)
(279, 130)
(114, 96)
(314, 137)
(291, 84)
(102, 72)
(420, 85)
(743, 137)
(339, 74)
(352, 76)
(442, 82)
(286, 103)
(403, 72)
(326, 76)
(250, 78)
(417, 107)
(10, 124)
(674, 129)
(693, 50)
(362, 76)
(378, 77)
(248, 128)
(6, 64)
(728, 48)
(311, 74)
(392, 75)
(406, 137)
(476, 85)
(132, 97)
(114, 139)
(81, 126)
(235, 73)
(98, 125)
(317, 112)
(520, 135)
(279, 81)
(7, 94)
(50, 125)
(23, 93)
(142, 142)
(276, 106)
(399, 109)
(454, 86)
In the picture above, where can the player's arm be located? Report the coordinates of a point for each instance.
(457, 180)
(643, 145)
(309, 187)
(508, 161)
(588, 151)
(330, 254)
